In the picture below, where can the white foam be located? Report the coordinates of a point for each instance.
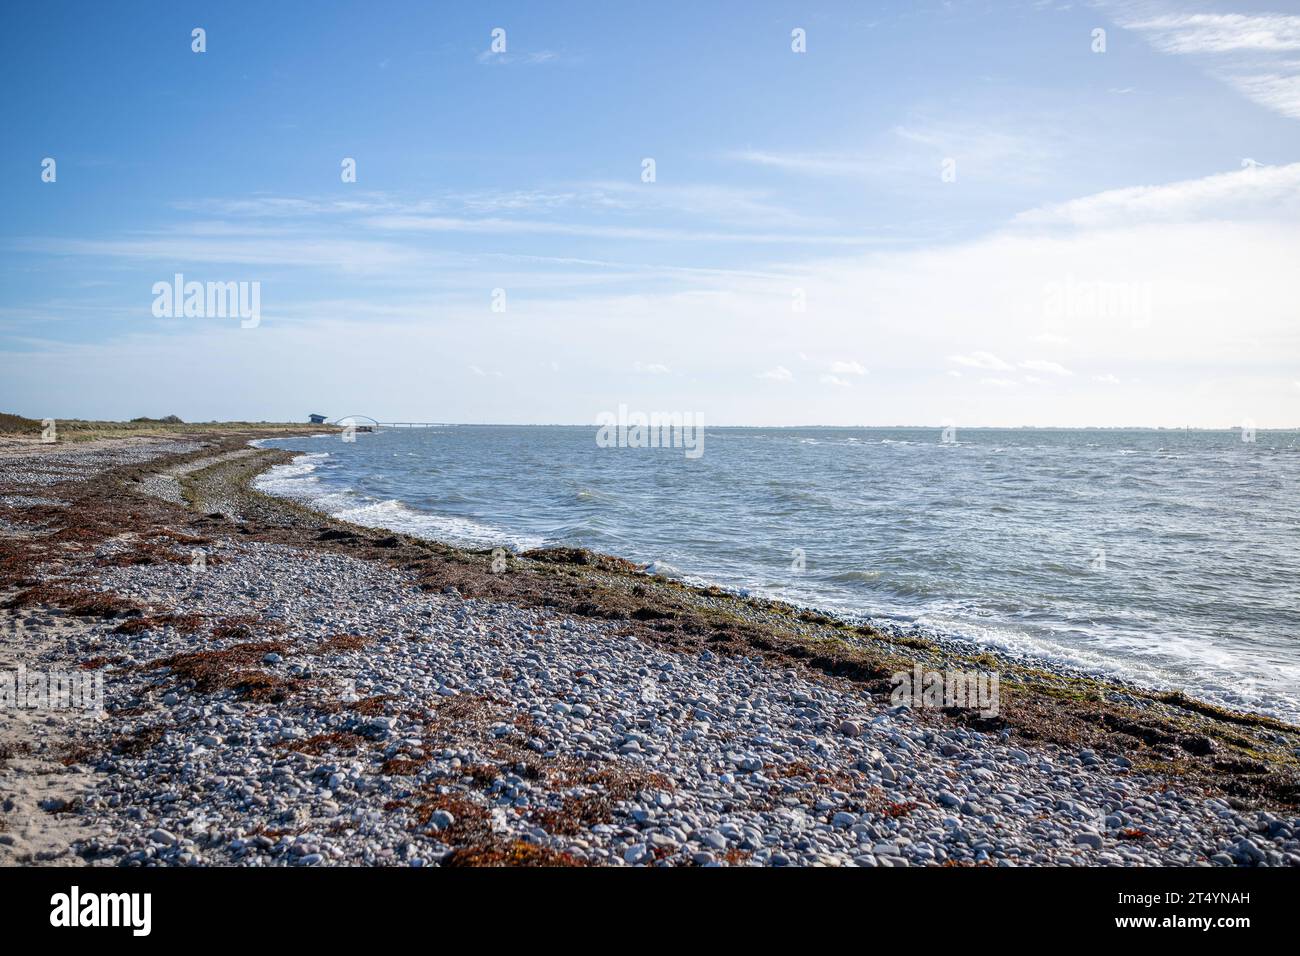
(1218, 677)
(393, 515)
(286, 480)
(296, 480)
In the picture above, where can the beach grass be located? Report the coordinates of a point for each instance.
(81, 430)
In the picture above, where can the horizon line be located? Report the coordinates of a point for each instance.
(935, 427)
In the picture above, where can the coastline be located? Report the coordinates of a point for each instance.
(896, 628)
(844, 762)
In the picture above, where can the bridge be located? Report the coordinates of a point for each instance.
(365, 421)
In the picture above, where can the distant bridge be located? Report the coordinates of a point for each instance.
(365, 421)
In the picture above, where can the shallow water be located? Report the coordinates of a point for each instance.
(1166, 557)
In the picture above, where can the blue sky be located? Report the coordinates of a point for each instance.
(1117, 246)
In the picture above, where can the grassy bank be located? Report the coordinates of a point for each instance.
(79, 430)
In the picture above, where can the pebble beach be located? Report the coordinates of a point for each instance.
(273, 704)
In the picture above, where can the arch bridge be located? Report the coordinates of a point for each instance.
(366, 422)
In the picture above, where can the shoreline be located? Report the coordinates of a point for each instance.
(899, 625)
(1094, 733)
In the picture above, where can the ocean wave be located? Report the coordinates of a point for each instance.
(1218, 680)
(855, 577)
(296, 480)
(393, 515)
(284, 480)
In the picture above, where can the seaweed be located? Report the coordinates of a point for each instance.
(509, 853)
(185, 623)
(319, 744)
(79, 603)
(342, 642)
(210, 672)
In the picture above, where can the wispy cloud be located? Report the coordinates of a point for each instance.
(717, 202)
(500, 226)
(288, 207)
(834, 164)
(1254, 53)
(1262, 191)
(697, 202)
(1018, 150)
(836, 381)
(1042, 365)
(535, 58)
(349, 255)
(1219, 32)
(984, 360)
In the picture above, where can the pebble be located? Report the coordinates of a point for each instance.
(738, 762)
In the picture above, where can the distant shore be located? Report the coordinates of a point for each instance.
(325, 693)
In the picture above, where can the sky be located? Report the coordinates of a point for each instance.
(764, 213)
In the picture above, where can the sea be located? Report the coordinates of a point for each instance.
(1166, 558)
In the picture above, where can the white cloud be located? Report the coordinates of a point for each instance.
(778, 374)
(503, 226)
(1042, 365)
(999, 382)
(1259, 192)
(836, 381)
(538, 57)
(1252, 53)
(984, 360)
(728, 204)
(835, 164)
(847, 368)
(653, 368)
(1279, 92)
(610, 205)
(1219, 32)
(348, 255)
(1012, 149)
